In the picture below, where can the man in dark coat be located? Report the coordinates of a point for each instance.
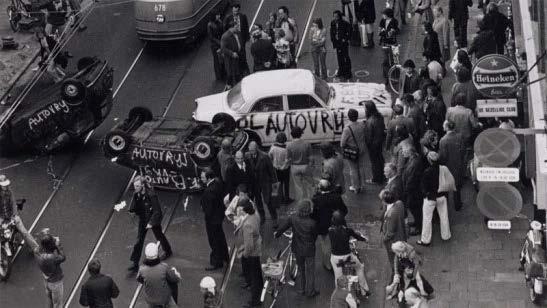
(240, 20)
(263, 177)
(213, 207)
(393, 223)
(452, 155)
(263, 52)
(398, 120)
(146, 206)
(214, 32)
(326, 202)
(458, 11)
(99, 290)
(498, 23)
(340, 31)
(303, 245)
(412, 192)
(414, 112)
(484, 43)
(232, 48)
(239, 172)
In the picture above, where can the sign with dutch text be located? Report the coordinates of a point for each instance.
(491, 108)
(495, 76)
(499, 225)
(488, 174)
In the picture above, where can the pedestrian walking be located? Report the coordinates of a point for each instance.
(340, 31)
(145, 205)
(340, 235)
(50, 256)
(393, 227)
(484, 43)
(374, 139)
(464, 119)
(300, 158)
(435, 110)
(264, 177)
(431, 43)
(441, 26)
(388, 30)
(213, 207)
(366, 12)
(263, 52)
(318, 38)
(394, 181)
(498, 23)
(290, 28)
(423, 8)
(342, 297)
(413, 199)
(433, 199)
(225, 158)
(99, 289)
(240, 172)
(458, 12)
(333, 167)
(279, 156)
(214, 32)
(353, 138)
(160, 282)
(211, 296)
(232, 47)
(409, 81)
(250, 250)
(399, 119)
(452, 155)
(465, 86)
(325, 202)
(304, 230)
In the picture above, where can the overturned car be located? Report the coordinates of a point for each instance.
(169, 152)
(64, 113)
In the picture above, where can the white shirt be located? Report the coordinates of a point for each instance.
(388, 209)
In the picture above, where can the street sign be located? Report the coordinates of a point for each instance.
(495, 75)
(499, 201)
(499, 225)
(496, 147)
(491, 108)
(487, 174)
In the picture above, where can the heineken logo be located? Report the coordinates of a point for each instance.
(495, 76)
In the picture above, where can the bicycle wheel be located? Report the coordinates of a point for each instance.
(293, 267)
(14, 15)
(394, 74)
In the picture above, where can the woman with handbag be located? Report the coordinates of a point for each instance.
(354, 149)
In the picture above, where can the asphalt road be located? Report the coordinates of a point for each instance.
(73, 193)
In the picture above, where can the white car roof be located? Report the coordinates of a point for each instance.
(276, 82)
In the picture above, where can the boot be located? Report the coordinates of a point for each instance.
(370, 39)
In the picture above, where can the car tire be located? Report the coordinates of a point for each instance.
(226, 121)
(142, 114)
(204, 150)
(73, 92)
(116, 142)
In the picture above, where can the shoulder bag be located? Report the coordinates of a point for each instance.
(351, 152)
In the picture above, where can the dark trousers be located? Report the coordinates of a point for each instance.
(305, 280)
(413, 203)
(263, 194)
(217, 242)
(252, 271)
(220, 72)
(458, 198)
(284, 177)
(377, 164)
(460, 31)
(390, 256)
(344, 62)
(141, 235)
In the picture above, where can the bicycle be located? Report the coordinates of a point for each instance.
(348, 269)
(395, 67)
(276, 270)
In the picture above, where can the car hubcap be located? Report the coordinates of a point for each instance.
(202, 150)
(117, 143)
(71, 90)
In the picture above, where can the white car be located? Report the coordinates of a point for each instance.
(266, 103)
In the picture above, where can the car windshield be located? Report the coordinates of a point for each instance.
(322, 89)
(235, 100)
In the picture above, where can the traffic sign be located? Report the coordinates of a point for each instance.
(499, 224)
(499, 201)
(491, 108)
(488, 174)
(496, 147)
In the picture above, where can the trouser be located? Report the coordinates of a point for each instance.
(319, 63)
(349, 11)
(359, 268)
(220, 74)
(399, 7)
(390, 257)
(388, 61)
(252, 270)
(217, 242)
(141, 235)
(414, 204)
(263, 194)
(305, 280)
(284, 178)
(428, 209)
(344, 62)
(458, 198)
(377, 164)
(324, 245)
(460, 31)
(233, 71)
(54, 294)
(357, 171)
(302, 180)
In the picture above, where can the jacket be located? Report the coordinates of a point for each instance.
(340, 33)
(366, 11)
(412, 175)
(470, 92)
(263, 51)
(385, 36)
(464, 119)
(435, 114)
(432, 46)
(324, 204)
(244, 31)
(459, 9)
(452, 155)
(418, 117)
(393, 123)
(393, 224)
(147, 207)
(430, 183)
(263, 170)
(483, 44)
(236, 176)
(334, 168)
(498, 23)
(375, 132)
(346, 139)
(248, 234)
(304, 234)
(214, 32)
(409, 84)
(157, 279)
(98, 292)
(395, 185)
(212, 203)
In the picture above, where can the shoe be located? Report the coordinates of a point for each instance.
(133, 268)
(422, 243)
(213, 268)
(166, 256)
(313, 294)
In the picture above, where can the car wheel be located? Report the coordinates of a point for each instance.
(204, 150)
(73, 92)
(226, 122)
(117, 142)
(141, 114)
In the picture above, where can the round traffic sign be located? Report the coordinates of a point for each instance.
(496, 147)
(499, 201)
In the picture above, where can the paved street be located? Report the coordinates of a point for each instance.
(73, 193)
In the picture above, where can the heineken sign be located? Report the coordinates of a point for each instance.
(495, 76)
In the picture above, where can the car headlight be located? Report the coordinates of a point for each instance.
(160, 18)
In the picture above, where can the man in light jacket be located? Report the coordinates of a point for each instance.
(354, 135)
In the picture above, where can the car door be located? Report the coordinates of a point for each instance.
(266, 118)
(306, 112)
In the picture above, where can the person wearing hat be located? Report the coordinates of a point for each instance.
(146, 206)
(9, 211)
(262, 50)
(433, 199)
(211, 297)
(304, 232)
(159, 282)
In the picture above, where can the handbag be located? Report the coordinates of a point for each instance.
(446, 180)
(351, 152)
